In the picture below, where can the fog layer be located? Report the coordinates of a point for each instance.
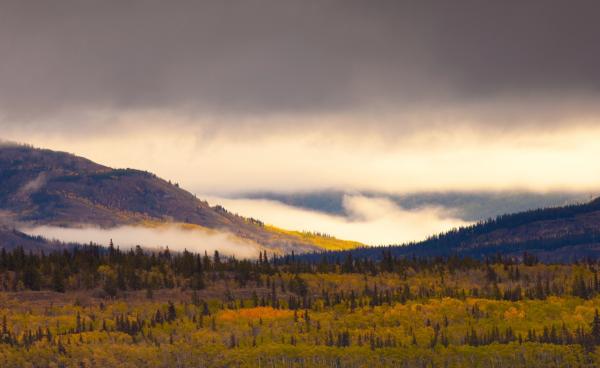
(373, 221)
(172, 237)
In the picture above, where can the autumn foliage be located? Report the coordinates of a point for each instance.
(97, 307)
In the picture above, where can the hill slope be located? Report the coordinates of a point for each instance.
(556, 234)
(11, 238)
(44, 187)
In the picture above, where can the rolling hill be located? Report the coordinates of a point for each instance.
(44, 187)
(556, 234)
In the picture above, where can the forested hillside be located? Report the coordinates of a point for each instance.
(558, 234)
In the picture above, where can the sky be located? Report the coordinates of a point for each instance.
(240, 96)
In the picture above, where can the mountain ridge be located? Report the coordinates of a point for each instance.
(45, 187)
(553, 234)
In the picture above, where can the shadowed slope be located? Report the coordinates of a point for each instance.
(44, 187)
(558, 234)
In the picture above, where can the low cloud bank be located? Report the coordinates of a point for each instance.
(167, 236)
(373, 221)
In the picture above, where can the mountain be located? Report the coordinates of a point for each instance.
(469, 206)
(556, 234)
(44, 187)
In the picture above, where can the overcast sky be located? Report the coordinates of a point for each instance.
(229, 96)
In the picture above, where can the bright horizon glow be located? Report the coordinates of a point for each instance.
(460, 160)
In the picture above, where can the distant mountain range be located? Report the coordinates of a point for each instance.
(44, 187)
(555, 234)
(468, 206)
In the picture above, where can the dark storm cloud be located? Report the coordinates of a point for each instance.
(261, 57)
